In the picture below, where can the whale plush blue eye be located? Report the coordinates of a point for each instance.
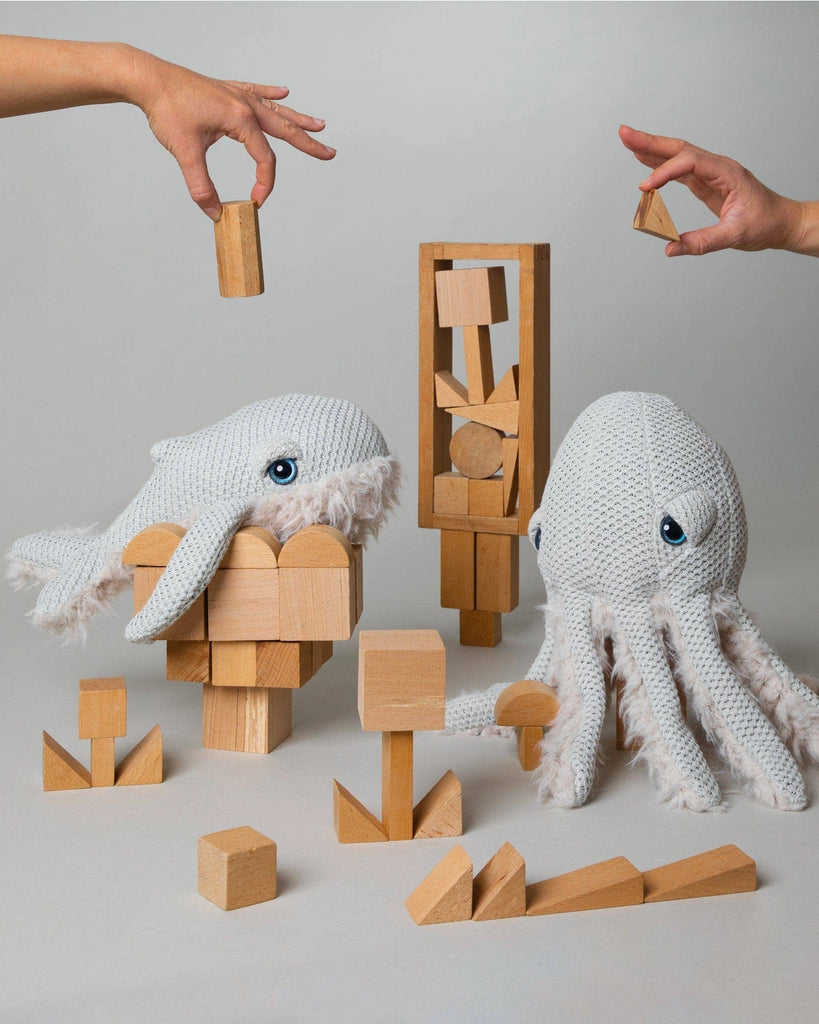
(283, 471)
(672, 532)
(537, 539)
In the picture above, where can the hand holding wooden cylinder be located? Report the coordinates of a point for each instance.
(239, 250)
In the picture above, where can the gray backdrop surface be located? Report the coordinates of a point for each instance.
(462, 122)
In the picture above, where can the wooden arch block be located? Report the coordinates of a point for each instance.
(500, 887)
(716, 873)
(653, 218)
(446, 893)
(154, 545)
(527, 702)
(612, 883)
(252, 548)
(471, 298)
(317, 547)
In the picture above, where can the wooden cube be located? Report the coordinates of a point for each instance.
(474, 297)
(103, 708)
(243, 604)
(486, 497)
(451, 494)
(253, 719)
(237, 868)
(401, 679)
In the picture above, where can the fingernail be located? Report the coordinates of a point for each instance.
(333, 151)
(319, 121)
(214, 212)
(644, 184)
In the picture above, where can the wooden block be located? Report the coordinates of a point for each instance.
(396, 784)
(510, 447)
(239, 250)
(60, 769)
(317, 604)
(506, 391)
(243, 604)
(529, 737)
(501, 415)
(103, 708)
(322, 652)
(471, 297)
(440, 812)
(358, 552)
(653, 218)
(499, 889)
(457, 569)
(250, 719)
(352, 821)
(188, 660)
(252, 547)
(715, 873)
(451, 494)
(528, 702)
(142, 766)
(497, 572)
(317, 547)
(189, 626)
(613, 883)
(486, 498)
(478, 524)
(480, 629)
(278, 664)
(446, 893)
(401, 679)
(476, 450)
(154, 545)
(103, 761)
(480, 377)
(237, 868)
(449, 390)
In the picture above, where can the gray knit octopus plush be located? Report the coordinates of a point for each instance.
(641, 540)
(284, 463)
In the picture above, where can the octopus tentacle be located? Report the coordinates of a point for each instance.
(731, 716)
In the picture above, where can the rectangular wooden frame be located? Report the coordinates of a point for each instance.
(435, 353)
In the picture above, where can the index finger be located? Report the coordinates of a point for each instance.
(652, 145)
(280, 127)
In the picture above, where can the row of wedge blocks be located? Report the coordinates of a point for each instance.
(499, 890)
(237, 868)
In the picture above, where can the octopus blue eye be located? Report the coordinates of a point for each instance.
(537, 539)
(283, 471)
(672, 532)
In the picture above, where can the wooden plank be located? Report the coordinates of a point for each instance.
(317, 604)
(239, 250)
(499, 889)
(486, 498)
(358, 551)
(527, 702)
(60, 769)
(401, 679)
(718, 872)
(103, 708)
(529, 738)
(237, 868)
(352, 822)
(243, 604)
(188, 660)
(653, 218)
(497, 570)
(440, 811)
(510, 474)
(446, 893)
(475, 251)
(317, 547)
(480, 377)
(476, 524)
(396, 783)
(457, 569)
(501, 415)
(189, 626)
(612, 883)
(252, 547)
(480, 628)
(476, 450)
(103, 761)
(154, 545)
(142, 766)
(449, 390)
(451, 493)
(534, 379)
(507, 390)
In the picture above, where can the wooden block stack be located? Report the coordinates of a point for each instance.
(237, 868)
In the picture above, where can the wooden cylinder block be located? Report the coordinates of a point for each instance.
(476, 450)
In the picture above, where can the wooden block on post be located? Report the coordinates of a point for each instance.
(103, 761)
(486, 498)
(653, 218)
(497, 572)
(499, 889)
(189, 626)
(457, 569)
(60, 769)
(103, 708)
(239, 250)
(476, 450)
(446, 893)
(480, 629)
(243, 604)
(473, 297)
(188, 660)
(396, 784)
(237, 868)
(352, 821)
(527, 702)
(612, 883)
(480, 377)
(250, 719)
(440, 812)
(401, 679)
(142, 766)
(715, 873)
(451, 494)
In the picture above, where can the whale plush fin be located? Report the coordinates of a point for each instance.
(190, 569)
(39, 555)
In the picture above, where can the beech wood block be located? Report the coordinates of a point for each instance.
(612, 883)
(497, 572)
(317, 547)
(250, 719)
(510, 447)
(396, 784)
(486, 498)
(317, 604)
(500, 415)
(188, 660)
(189, 626)
(449, 390)
(480, 377)
(322, 652)
(446, 893)
(243, 604)
(440, 812)
(528, 702)
(451, 494)
(718, 872)
(653, 218)
(480, 629)
(280, 664)
(239, 250)
(507, 390)
(154, 545)
(103, 761)
(142, 766)
(529, 737)
(352, 821)
(476, 450)
(358, 552)
(499, 889)
(471, 297)
(252, 547)
(401, 680)
(237, 868)
(457, 569)
(60, 769)
(103, 708)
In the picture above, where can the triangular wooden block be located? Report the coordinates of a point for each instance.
(653, 218)
(446, 893)
(143, 765)
(448, 390)
(352, 821)
(440, 813)
(502, 415)
(60, 769)
(500, 887)
(510, 447)
(612, 883)
(715, 873)
(528, 702)
(507, 390)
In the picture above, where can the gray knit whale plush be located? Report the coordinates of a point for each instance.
(641, 540)
(283, 464)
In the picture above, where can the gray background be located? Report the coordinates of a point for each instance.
(464, 122)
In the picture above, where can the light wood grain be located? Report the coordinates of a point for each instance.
(446, 893)
(239, 250)
(142, 766)
(103, 761)
(449, 390)
(653, 218)
(715, 873)
(528, 742)
(352, 822)
(396, 784)
(480, 628)
(237, 868)
(243, 604)
(486, 498)
(499, 889)
(103, 708)
(480, 377)
(510, 474)
(473, 297)
(251, 719)
(612, 883)
(61, 770)
(188, 660)
(401, 679)
(476, 450)
(501, 415)
(252, 547)
(507, 390)
(527, 702)
(317, 546)
(451, 493)
(189, 626)
(497, 571)
(154, 545)
(457, 569)
(440, 812)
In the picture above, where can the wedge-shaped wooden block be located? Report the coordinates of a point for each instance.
(401, 679)
(317, 547)
(243, 604)
(239, 250)
(189, 626)
(528, 702)
(188, 660)
(480, 628)
(471, 297)
(396, 784)
(352, 821)
(480, 377)
(317, 603)
(715, 873)
(103, 708)
(507, 390)
(446, 893)
(501, 415)
(499, 889)
(476, 450)
(653, 218)
(510, 447)
(457, 569)
(451, 494)
(252, 547)
(612, 883)
(142, 766)
(486, 498)
(103, 761)
(529, 738)
(449, 390)
(251, 719)
(154, 545)
(237, 868)
(60, 769)
(440, 812)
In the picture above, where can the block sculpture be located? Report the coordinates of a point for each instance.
(239, 250)
(237, 868)
(652, 217)
(264, 626)
(102, 719)
(401, 689)
(480, 484)
(529, 706)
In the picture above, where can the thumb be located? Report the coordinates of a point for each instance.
(705, 240)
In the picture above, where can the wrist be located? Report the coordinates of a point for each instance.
(806, 233)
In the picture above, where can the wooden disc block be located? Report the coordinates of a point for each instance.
(446, 893)
(476, 450)
(239, 250)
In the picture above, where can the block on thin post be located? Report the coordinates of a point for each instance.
(237, 868)
(103, 708)
(239, 250)
(612, 883)
(476, 450)
(718, 872)
(497, 571)
(457, 569)
(401, 679)
(446, 893)
(252, 547)
(473, 297)
(499, 889)
(451, 494)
